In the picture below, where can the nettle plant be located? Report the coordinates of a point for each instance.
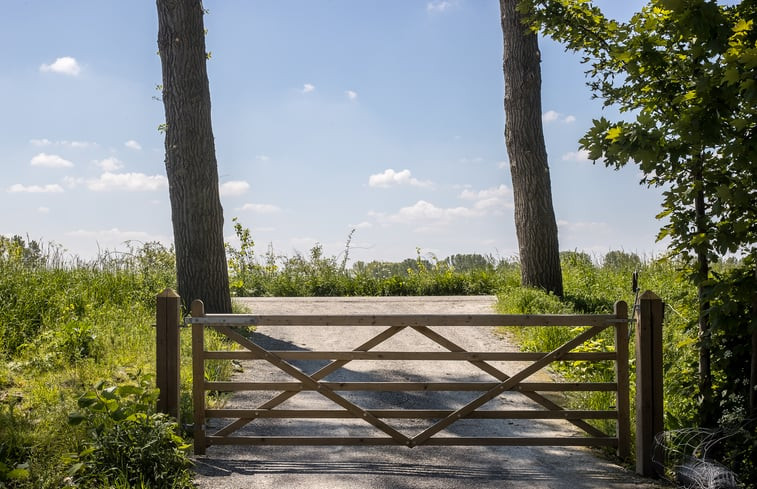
(127, 441)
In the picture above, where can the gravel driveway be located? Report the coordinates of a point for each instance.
(396, 467)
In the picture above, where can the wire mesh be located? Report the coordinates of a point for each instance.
(684, 457)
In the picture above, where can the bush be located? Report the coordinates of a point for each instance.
(127, 441)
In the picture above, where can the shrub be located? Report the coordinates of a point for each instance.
(127, 441)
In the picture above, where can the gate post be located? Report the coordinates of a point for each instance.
(167, 368)
(649, 401)
(198, 378)
(622, 399)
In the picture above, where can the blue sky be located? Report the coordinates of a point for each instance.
(383, 116)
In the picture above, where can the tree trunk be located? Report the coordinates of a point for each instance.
(753, 372)
(707, 407)
(191, 164)
(535, 223)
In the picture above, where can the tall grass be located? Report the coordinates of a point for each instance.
(66, 325)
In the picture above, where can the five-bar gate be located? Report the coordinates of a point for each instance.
(587, 327)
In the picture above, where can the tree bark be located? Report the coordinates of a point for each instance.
(535, 223)
(191, 164)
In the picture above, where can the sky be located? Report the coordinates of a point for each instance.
(380, 116)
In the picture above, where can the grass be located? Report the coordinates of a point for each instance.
(67, 325)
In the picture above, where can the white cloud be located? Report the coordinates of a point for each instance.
(390, 177)
(234, 187)
(78, 144)
(36, 189)
(72, 182)
(550, 116)
(260, 208)
(554, 116)
(132, 182)
(440, 5)
(308, 87)
(351, 94)
(491, 199)
(426, 213)
(68, 144)
(363, 225)
(50, 161)
(132, 144)
(110, 164)
(65, 65)
(43, 210)
(580, 156)
(583, 227)
(469, 161)
(263, 158)
(116, 236)
(503, 164)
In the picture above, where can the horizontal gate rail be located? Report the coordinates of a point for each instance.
(490, 320)
(440, 419)
(407, 414)
(438, 442)
(403, 355)
(411, 386)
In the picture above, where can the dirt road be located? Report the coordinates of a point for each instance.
(396, 467)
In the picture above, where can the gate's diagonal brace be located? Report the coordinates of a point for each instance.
(506, 385)
(307, 380)
(501, 376)
(336, 365)
(318, 375)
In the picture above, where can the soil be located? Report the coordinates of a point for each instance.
(396, 467)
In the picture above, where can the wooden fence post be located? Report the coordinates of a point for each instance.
(649, 401)
(167, 371)
(198, 378)
(622, 400)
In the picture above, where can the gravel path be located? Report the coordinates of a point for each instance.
(396, 467)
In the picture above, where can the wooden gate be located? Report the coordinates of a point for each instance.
(587, 327)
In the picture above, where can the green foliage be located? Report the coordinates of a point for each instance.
(685, 70)
(64, 325)
(316, 274)
(13, 450)
(127, 441)
(682, 73)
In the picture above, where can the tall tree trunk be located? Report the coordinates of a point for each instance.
(707, 414)
(753, 371)
(535, 223)
(191, 165)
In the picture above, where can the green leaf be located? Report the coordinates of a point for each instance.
(109, 393)
(87, 400)
(614, 133)
(731, 76)
(75, 419)
(18, 474)
(742, 25)
(129, 390)
(74, 469)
